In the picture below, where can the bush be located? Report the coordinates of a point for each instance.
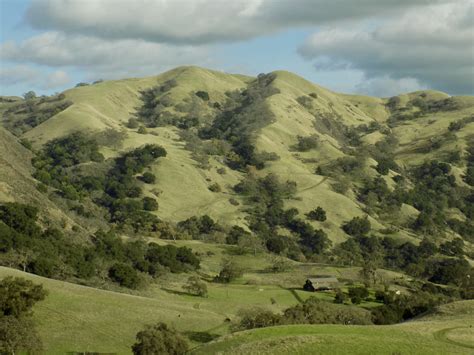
(203, 95)
(229, 272)
(132, 123)
(453, 247)
(340, 297)
(30, 95)
(26, 143)
(276, 244)
(215, 187)
(307, 143)
(142, 130)
(149, 204)
(159, 339)
(357, 226)
(125, 275)
(315, 311)
(357, 294)
(148, 178)
(196, 287)
(257, 318)
(318, 214)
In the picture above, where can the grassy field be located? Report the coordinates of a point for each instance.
(448, 332)
(80, 318)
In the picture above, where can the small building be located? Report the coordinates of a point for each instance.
(321, 283)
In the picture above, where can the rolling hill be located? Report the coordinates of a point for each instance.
(153, 180)
(295, 108)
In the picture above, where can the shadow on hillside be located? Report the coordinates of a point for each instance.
(201, 337)
(176, 292)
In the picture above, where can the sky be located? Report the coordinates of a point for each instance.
(371, 47)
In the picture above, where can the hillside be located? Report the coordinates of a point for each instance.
(78, 318)
(295, 107)
(202, 199)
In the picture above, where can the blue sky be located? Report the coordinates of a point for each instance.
(370, 47)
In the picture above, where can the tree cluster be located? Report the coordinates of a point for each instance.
(51, 254)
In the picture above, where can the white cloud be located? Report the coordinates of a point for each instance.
(56, 79)
(386, 87)
(32, 77)
(17, 74)
(199, 21)
(434, 45)
(101, 58)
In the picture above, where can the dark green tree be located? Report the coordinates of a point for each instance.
(357, 226)
(149, 204)
(125, 275)
(318, 214)
(159, 339)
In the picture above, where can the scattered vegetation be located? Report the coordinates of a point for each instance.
(51, 254)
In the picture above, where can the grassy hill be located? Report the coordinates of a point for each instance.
(80, 318)
(299, 108)
(258, 153)
(448, 332)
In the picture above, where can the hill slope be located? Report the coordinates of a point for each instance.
(283, 108)
(447, 332)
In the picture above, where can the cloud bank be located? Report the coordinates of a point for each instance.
(199, 21)
(434, 46)
(397, 45)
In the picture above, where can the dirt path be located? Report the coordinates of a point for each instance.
(313, 186)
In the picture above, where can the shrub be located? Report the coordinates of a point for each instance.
(357, 294)
(357, 226)
(315, 311)
(275, 244)
(149, 204)
(132, 123)
(453, 247)
(215, 187)
(318, 214)
(142, 130)
(26, 143)
(148, 178)
(340, 297)
(203, 95)
(307, 143)
(159, 339)
(196, 287)
(229, 272)
(30, 95)
(125, 275)
(257, 318)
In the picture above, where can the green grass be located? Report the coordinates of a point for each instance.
(79, 318)
(447, 331)
(409, 338)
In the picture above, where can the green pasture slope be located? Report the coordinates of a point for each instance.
(80, 318)
(447, 332)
